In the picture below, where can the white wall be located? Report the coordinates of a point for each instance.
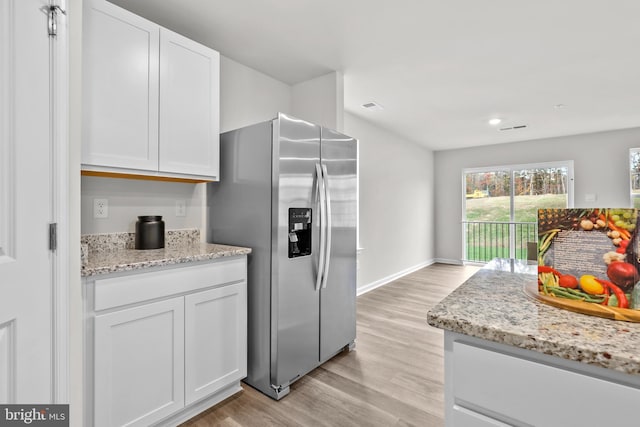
(246, 97)
(601, 166)
(396, 203)
(129, 198)
(320, 100)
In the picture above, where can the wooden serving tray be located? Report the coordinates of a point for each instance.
(614, 313)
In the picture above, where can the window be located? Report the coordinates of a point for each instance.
(501, 206)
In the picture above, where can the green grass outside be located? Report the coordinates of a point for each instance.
(493, 242)
(526, 207)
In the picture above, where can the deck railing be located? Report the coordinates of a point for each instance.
(485, 240)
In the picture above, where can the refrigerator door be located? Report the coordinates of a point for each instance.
(294, 298)
(338, 296)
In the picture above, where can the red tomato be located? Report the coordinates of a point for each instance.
(568, 281)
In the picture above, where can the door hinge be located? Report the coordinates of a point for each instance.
(53, 19)
(53, 236)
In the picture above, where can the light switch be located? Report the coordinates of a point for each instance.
(590, 197)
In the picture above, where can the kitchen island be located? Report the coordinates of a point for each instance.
(512, 360)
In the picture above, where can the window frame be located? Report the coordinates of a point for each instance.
(632, 195)
(511, 169)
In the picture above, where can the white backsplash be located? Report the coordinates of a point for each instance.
(129, 198)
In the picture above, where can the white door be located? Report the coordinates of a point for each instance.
(25, 204)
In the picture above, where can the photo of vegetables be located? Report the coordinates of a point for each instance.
(590, 255)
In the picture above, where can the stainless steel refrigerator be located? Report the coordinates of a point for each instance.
(288, 190)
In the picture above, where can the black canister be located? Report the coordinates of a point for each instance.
(149, 232)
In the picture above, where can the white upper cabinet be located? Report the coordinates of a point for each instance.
(151, 98)
(120, 77)
(189, 103)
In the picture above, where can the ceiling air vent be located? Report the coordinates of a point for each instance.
(372, 106)
(514, 127)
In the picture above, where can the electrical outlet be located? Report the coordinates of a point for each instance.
(100, 208)
(181, 208)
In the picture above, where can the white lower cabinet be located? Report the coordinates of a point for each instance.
(139, 364)
(215, 350)
(164, 345)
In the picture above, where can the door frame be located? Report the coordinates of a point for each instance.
(59, 57)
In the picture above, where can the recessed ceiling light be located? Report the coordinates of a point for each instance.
(372, 106)
(494, 122)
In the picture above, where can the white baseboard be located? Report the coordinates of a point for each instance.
(448, 261)
(373, 285)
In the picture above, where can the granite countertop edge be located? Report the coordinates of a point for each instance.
(518, 320)
(131, 259)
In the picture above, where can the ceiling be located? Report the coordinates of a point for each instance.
(440, 68)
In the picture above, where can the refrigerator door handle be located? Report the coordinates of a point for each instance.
(327, 200)
(323, 221)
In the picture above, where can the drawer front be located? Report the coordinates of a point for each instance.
(138, 287)
(510, 388)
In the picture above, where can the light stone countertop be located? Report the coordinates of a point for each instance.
(492, 305)
(133, 259)
(114, 252)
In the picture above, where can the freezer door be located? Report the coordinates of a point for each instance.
(294, 299)
(338, 298)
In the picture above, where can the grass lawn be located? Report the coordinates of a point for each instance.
(526, 207)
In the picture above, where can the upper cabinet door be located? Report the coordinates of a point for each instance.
(189, 106)
(120, 121)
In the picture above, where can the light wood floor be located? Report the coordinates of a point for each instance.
(393, 378)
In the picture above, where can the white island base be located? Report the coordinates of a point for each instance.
(492, 384)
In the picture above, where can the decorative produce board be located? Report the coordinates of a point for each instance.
(583, 307)
(588, 261)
